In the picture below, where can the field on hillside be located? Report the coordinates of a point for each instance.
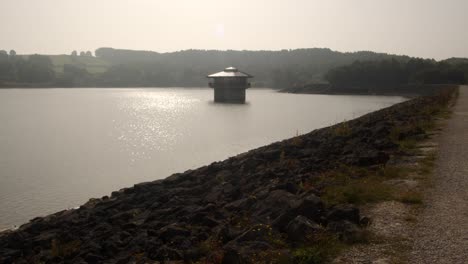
(92, 64)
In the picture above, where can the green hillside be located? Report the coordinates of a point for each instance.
(275, 69)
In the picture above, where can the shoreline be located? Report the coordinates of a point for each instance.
(408, 91)
(270, 199)
(126, 87)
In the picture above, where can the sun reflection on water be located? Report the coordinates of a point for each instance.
(151, 116)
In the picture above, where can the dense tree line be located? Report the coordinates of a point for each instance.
(82, 53)
(29, 69)
(396, 72)
(276, 69)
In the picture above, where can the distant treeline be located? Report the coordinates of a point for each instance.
(128, 68)
(30, 69)
(394, 72)
(188, 68)
(276, 69)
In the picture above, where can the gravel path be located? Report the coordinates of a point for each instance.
(442, 233)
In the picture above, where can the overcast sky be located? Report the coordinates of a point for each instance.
(424, 28)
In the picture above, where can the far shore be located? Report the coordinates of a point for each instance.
(408, 91)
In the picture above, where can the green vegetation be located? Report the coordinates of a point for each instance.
(342, 129)
(427, 164)
(361, 185)
(321, 251)
(367, 190)
(59, 249)
(127, 68)
(395, 72)
(32, 69)
(276, 69)
(357, 185)
(411, 197)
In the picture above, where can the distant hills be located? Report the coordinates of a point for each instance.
(275, 69)
(131, 68)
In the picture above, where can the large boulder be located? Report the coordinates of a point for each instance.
(302, 229)
(276, 203)
(231, 256)
(311, 207)
(347, 231)
(343, 212)
(167, 233)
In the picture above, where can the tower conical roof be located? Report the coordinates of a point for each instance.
(230, 72)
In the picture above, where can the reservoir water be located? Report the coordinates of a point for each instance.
(60, 147)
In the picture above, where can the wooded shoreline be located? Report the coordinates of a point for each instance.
(410, 91)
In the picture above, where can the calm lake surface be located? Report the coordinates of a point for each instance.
(60, 147)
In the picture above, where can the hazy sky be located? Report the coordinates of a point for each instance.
(425, 28)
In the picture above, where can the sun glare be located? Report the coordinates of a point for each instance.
(220, 30)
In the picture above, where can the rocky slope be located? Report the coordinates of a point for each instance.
(255, 207)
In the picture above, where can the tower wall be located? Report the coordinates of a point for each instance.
(229, 95)
(230, 90)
